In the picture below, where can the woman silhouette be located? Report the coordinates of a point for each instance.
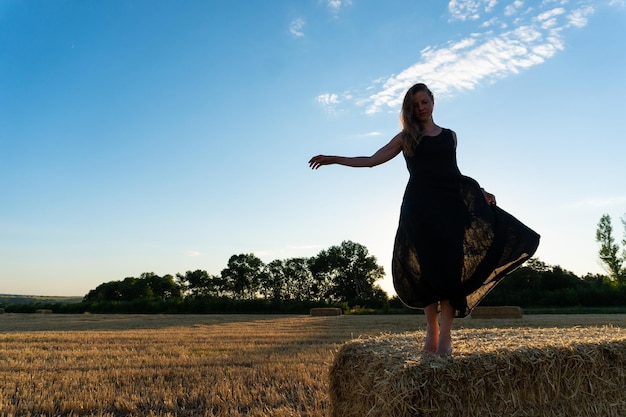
(453, 244)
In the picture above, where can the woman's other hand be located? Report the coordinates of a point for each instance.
(320, 160)
(490, 198)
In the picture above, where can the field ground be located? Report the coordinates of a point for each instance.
(195, 365)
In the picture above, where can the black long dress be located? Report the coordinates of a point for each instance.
(451, 244)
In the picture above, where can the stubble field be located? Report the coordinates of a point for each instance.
(194, 365)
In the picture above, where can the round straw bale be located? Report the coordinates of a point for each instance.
(575, 372)
(327, 311)
(1, 310)
(43, 311)
(497, 312)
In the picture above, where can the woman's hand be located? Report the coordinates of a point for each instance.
(490, 198)
(320, 160)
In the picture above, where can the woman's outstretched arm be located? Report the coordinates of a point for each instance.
(384, 154)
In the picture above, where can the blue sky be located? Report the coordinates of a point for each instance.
(160, 136)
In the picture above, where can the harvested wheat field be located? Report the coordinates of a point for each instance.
(209, 365)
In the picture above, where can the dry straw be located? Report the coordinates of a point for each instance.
(495, 372)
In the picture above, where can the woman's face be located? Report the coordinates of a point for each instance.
(422, 106)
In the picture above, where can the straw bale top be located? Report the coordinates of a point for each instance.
(518, 372)
(477, 342)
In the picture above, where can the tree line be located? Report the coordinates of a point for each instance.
(537, 284)
(344, 275)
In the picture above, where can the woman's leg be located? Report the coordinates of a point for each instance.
(432, 328)
(444, 346)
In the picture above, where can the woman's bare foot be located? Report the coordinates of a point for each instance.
(431, 341)
(432, 328)
(445, 345)
(445, 333)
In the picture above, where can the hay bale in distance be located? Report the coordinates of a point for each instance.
(499, 312)
(1, 310)
(327, 311)
(576, 372)
(43, 311)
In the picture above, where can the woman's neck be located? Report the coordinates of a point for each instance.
(430, 128)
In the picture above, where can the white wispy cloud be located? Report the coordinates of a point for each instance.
(550, 14)
(463, 65)
(513, 8)
(328, 99)
(465, 9)
(193, 253)
(519, 43)
(580, 17)
(296, 27)
(494, 21)
(471, 9)
(336, 5)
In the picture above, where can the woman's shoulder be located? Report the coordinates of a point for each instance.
(452, 134)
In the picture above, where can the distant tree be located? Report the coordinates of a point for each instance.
(148, 286)
(609, 250)
(288, 279)
(300, 283)
(518, 287)
(107, 291)
(624, 238)
(321, 267)
(133, 288)
(273, 281)
(160, 288)
(595, 279)
(537, 284)
(348, 272)
(322, 274)
(534, 264)
(199, 283)
(241, 276)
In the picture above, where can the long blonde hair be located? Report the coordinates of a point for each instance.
(412, 129)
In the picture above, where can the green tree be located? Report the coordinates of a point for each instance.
(107, 291)
(624, 238)
(199, 283)
(160, 288)
(609, 250)
(538, 284)
(350, 272)
(133, 288)
(148, 286)
(288, 279)
(300, 283)
(535, 265)
(273, 281)
(241, 276)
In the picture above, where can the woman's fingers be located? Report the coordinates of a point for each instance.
(317, 161)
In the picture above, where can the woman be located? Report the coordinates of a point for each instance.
(453, 244)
